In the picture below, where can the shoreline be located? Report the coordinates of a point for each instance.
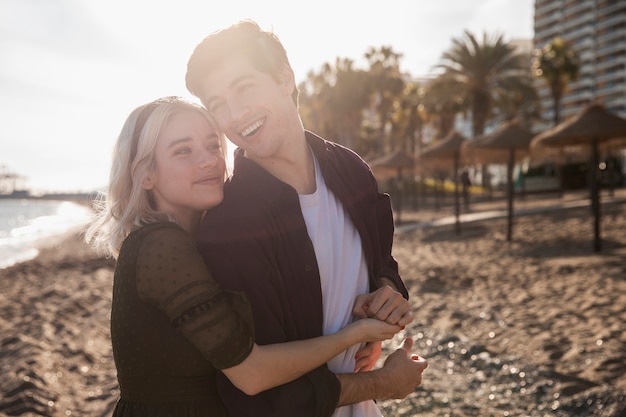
(44, 243)
(29, 230)
(532, 327)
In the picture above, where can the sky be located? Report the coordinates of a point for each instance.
(72, 70)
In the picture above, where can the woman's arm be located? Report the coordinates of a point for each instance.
(272, 365)
(172, 276)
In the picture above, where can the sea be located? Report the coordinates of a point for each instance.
(25, 224)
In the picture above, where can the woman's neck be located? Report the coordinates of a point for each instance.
(190, 223)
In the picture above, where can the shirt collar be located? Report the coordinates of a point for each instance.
(263, 184)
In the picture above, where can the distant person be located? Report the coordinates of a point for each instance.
(302, 230)
(172, 327)
(466, 183)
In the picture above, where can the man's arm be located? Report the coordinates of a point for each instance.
(389, 272)
(385, 304)
(399, 376)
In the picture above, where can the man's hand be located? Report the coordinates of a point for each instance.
(399, 376)
(405, 370)
(384, 304)
(367, 356)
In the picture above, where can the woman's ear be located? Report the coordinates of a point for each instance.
(147, 183)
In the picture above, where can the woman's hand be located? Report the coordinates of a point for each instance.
(384, 304)
(372, 330)
(366, 357)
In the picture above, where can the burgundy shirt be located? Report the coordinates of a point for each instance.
(256, 242)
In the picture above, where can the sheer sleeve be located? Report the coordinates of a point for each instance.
(172, 275)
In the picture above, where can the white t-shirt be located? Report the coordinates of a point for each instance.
(343, 274)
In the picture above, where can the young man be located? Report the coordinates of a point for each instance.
(302, 231)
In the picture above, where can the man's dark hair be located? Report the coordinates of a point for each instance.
(262, 48)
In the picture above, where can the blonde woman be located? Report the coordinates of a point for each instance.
(172, 327)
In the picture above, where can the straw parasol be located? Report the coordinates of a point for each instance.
(507, 144)
(448, 150)
(394, 162)
(592, 126)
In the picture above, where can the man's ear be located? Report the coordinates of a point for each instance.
(287, 79)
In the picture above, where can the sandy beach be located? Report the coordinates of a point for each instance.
(531, 327)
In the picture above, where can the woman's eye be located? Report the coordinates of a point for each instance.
(182, 151)
(214, 146)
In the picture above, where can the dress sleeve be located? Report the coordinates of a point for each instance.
(172, 276)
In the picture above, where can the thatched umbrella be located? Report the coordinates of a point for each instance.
(392, 163)
(505, 145)
(592, 126)
(448, 150)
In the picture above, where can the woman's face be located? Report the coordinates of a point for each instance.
(188, 176)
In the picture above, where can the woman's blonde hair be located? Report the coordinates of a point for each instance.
(126, 204)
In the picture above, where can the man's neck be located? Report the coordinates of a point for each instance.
(294, 166)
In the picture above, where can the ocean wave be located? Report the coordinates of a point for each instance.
(30, 223)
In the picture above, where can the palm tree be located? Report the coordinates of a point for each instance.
(387, 87)
(333, 101)
(484, 70)
(409, 117)
(557, 63)
(520, 101)
(443, 100)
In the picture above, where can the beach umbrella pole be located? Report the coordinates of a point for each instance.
(457, 208)
(595, 194)
(509, 183)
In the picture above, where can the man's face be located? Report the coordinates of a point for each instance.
(253, 109)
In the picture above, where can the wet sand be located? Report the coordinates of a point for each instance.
(532, 327)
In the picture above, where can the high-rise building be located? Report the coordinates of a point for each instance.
(596, 30)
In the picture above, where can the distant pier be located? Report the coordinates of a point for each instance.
(12, 185)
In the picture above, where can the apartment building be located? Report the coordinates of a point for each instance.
(596, 29)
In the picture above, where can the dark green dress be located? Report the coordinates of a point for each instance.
(172, 326)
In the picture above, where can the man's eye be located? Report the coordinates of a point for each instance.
(244, 87)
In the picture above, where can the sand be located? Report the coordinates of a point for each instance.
(532, 327)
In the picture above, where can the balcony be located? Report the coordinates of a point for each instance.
(583, 82)
(585, 44)
(578, 21)
(612, 9)
(611, 36)
(568, 112)
(580, 6)
(611, 48)
(587, 68)
(544, 35)
(610, 90)
(611, 64)
(616, 104)
(583, 31)
(547, 6)
(611, 21)
(548, 20)
(618, 76)
(586, 95)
